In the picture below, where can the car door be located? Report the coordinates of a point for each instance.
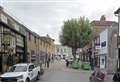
(31, 72)
(35, 70)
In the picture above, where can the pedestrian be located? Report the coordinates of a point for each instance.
(92, 77)
(48, 62)
(116, 77)
(103, 77)
(67, 63)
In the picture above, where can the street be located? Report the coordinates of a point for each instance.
(59, 73)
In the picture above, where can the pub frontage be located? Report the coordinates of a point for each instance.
(12, 42)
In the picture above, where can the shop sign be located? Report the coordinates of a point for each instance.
(20, 41)
(4, 18)
(103, 44)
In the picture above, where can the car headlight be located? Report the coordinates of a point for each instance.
(20, 77)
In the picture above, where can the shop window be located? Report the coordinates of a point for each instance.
(1, 29)
(6, 30)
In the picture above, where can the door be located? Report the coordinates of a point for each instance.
(31, 72)
(102, 62)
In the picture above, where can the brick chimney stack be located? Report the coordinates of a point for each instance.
(1, 8)
(103, 18)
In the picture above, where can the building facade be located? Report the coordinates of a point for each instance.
(19, 44)
(117, 13)
(12, 41)
(105, 45)
(63, 51)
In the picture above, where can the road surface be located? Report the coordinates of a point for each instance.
(58, 72)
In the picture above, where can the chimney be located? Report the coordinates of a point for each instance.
(103, 18)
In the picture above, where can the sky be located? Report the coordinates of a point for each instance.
(47, 16)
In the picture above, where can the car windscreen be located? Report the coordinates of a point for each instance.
(18, 69)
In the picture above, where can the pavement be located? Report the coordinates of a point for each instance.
(58, 72)
(109, 78)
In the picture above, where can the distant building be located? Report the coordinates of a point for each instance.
(63, 51)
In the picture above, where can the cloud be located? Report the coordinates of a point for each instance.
(47, 16)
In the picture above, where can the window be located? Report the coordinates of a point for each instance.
(4, 18)
(35, 39)
(97, 41)
(1, 29)
(29, 36)
(17, 27)
(11, 23)
(103, 44)
(31, 67)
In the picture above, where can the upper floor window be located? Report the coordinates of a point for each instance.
(29, 36)
(4, 18)
(35, 39)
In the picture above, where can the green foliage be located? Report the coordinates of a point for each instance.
(76, 33)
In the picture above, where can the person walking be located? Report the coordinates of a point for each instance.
(116, 77)
(48, 62)
(92, 77)
(67, 63)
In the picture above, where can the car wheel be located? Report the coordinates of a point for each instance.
(27, 80)
(38, 76)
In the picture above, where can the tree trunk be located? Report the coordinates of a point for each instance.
(74, 52)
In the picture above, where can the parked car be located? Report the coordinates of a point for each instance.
(23, 72)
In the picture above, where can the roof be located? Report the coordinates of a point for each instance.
(100, 25)
(103, 23)
(117, 11)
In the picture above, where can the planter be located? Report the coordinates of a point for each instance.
(86, 66)
(75, 64)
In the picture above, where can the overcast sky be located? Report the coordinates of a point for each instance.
(47, 16)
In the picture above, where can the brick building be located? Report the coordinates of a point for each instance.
(104, 44)
(19, 44)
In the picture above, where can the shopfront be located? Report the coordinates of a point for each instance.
(11, 50)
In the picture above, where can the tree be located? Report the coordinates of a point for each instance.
(76, 33)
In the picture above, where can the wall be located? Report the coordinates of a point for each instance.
(112, 48)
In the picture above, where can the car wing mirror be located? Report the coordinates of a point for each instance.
(30, 70)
